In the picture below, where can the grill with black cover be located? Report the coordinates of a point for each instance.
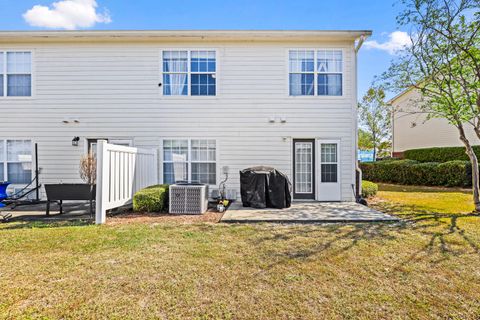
(265, 187)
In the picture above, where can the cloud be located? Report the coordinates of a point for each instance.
(397, 41)
(66, 14)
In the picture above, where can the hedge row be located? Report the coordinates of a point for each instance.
(369, 189)
(451, 174)
(151, 199)
(439, 154)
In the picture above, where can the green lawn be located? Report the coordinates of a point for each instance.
(426, 267)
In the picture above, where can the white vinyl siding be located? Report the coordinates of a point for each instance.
(112, 89)
(16, 74)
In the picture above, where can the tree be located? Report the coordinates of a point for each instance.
(375, 117)
(364, 140)
(443, 64)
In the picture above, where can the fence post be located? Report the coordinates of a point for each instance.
(102, 182)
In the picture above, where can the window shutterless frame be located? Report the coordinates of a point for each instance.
(316, 73)
(3, 72)
(189, 73)
(4, 158)
(189, 157)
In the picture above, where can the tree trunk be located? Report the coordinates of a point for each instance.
(474, 162)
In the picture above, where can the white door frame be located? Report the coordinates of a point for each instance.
(328, 191)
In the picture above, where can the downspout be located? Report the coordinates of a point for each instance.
(358, 171)
(360, 43)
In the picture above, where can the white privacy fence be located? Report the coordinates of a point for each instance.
(121, 171)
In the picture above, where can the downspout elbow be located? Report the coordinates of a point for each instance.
(360, 43)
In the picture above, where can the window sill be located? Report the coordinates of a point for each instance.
(17, 98)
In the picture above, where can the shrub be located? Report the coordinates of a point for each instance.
(369, 189)
(151, 199)
(451, 174)
(444, 154)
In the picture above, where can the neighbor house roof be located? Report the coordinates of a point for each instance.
(181, 35)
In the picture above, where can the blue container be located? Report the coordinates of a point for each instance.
(3, 192)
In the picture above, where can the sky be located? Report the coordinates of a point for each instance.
(376, 15)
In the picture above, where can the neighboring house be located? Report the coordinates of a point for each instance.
(209, 101)
(412, 130)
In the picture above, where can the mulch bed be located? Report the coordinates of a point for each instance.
(126, 218)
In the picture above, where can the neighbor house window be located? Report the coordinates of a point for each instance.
(189, 73)
(316, 72)
(190, 160)
(16, 161)
(15, 74)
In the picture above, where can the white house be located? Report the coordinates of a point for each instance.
(208, 101)
(412, 129)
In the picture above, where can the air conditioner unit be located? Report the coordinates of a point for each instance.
(188, 198)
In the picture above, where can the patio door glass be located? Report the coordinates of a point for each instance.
(304, 168)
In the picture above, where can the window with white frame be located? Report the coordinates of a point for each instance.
(316, 72)
(190, 160)
(16, 161)
(189, 73)
(15, 74)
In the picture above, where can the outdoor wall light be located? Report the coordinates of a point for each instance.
(75, 141)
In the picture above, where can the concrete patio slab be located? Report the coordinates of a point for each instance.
(37, 212)
(307, 212)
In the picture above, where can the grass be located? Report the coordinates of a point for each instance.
(439, 200)
(423, 268)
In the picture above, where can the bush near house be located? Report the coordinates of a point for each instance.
(151, 199)
(369, 189)
(444, 154)
(450, 174)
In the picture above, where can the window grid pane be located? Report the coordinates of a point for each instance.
(18, 158)
(203, 85)
(329, 68)
(325, 67)
(2, 78)
(302, 72)
(303, 167)
(329, 165)
(18, 74)
(19, 151)
(19, 63)
(301, 84)
(202, 162)
(179, 69)
(19, 173)
(2, 152)
(19, 85)
(2, 160)
(203, 61)
(175, 76)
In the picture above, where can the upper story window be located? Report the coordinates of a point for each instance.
(189, 73)
(15, 74)
(316, 72)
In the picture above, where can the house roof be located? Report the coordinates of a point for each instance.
(398, 96)
(181, 35)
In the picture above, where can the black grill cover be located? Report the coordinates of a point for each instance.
(265, 187)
